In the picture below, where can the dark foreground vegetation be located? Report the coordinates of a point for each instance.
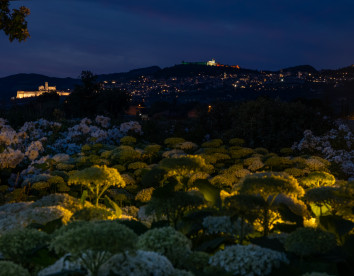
(263, 187)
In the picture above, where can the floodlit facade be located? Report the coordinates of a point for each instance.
(41, 90)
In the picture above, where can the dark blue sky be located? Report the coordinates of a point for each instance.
(105, 36)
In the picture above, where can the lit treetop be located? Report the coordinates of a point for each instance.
(97, 179)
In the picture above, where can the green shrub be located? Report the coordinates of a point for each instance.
(20, 244)
(11, 269)
(94, 242)
(309, 241)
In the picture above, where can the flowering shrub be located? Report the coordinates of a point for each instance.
(131, 126)
(166, 241)
(215, 225)
(336, 146)
(11, 269)
(247, 260)
(142, 263)
(173, 141)
(10, 158)
(48, 208)
(63, 264)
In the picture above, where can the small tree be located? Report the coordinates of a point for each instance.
(318, 179)
(268, 186)
(97, 179)
(182, 168)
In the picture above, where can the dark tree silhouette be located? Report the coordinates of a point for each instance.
(13, 21)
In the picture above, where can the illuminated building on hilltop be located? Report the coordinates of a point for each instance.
(41, 90)
(210, 63)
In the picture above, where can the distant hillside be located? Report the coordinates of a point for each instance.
(11, 84)
(131, 74)
(300, 68)
(190, 70)
(29, 82)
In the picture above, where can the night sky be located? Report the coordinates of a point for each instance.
(106, 36)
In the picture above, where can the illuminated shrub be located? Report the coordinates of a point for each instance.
(151, 152)
(318, 179)
(11, 269)
(128, 140)
(137, 165)
(64, 167)
(19, 245)
(278, 163)
(267, 186)
(253, 163)
(40, 186)
(295, 172)
(221, 149)
(128, 179)
(173, 153)
(187, 146)
(173, 141)
(236, 142)
(222, 181)
(309, 241)
(144, 195)
(97, 180)
(166, 241)
(142, 263)
(241, 153)
(215, 143)
(93, 243)
(125, 154)
(248, 260)
(64, 200)
(237, 171)
(316, 163)
(119, 168)
(94, 213)
(215, 157)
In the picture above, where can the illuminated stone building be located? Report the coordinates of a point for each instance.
(41, 89)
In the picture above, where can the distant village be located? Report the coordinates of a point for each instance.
(226, 84)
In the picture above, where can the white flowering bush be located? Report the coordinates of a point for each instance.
(336, 146)
(247, 260)
(49, 208)
(131, 126)
(65, 263)
(214, 225)
(141, 263)
(166, 241)
(10, 158)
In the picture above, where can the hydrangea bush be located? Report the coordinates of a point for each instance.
(248, 260)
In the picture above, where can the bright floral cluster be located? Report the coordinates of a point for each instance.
(247, 260)
(336, 146)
